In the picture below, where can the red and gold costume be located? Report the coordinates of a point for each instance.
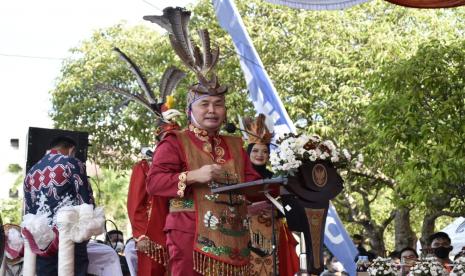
(261, 230)
(205, 232)
(147, 215)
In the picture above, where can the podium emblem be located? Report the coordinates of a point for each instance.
(320, 175)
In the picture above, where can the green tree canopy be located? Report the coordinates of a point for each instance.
(418, 112)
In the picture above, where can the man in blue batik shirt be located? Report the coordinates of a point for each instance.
(58, 179)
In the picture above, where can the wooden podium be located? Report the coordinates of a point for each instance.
(249, 188)
(305, 207)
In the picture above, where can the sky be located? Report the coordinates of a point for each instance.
(35, 37)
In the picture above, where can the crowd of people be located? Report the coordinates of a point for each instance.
(438, 247)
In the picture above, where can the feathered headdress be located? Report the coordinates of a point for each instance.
(201, 62)
(160, 108)
(258, 131)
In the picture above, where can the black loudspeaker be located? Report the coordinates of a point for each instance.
(39, 139)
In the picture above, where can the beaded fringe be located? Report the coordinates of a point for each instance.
(211, 267)
(157, 253)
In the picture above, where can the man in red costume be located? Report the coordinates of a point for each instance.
(206, 233)
(200, 224)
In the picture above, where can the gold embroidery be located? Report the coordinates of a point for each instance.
(219, 151)
(202, 135)
(182, 184)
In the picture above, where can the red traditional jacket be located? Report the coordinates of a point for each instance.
(169, 161)
(147, 214)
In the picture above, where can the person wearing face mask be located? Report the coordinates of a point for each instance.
(115, 239)
(440, 244)
(58, 179)
(334, 268)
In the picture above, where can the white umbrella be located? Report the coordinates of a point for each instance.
(318, 4)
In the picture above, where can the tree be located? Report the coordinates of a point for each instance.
(111, 190)
(12, 207)
(419, 113)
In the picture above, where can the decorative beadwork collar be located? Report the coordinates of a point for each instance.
(202, 135)
(198, 132)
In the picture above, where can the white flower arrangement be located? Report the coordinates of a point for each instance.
(382, 267)
(428, 267)
(459, 267)
(294, 149)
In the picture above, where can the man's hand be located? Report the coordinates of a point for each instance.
(205, 174)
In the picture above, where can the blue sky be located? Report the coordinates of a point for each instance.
(35, 37)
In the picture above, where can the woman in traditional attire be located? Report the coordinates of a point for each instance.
(258, 148)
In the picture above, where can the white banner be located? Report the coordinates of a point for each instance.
(318, 4)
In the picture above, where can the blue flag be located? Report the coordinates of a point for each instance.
(338, 241)
(266, 101)
(261, 90)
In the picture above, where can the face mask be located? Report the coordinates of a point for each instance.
(337, 267)
(442, 252)
(119, 246)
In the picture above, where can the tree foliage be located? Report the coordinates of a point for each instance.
(110, 190)
(419, 114)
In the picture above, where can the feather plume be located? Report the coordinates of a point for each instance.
(159, 20)
(179, 19)
(215, 54)
(200, 60)
(169, 81)
(141, 80)
(206, 49)
(120, 91)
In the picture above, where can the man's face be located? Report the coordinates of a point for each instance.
(440, 242)
(209, 113)
(114, 238)
(408, 255)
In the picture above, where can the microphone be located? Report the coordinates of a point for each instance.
(231, 128)
(147, 151)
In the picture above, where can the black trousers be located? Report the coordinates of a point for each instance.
(48, 266)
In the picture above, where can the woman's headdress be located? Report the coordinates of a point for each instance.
(258, 132)
(199, 59)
